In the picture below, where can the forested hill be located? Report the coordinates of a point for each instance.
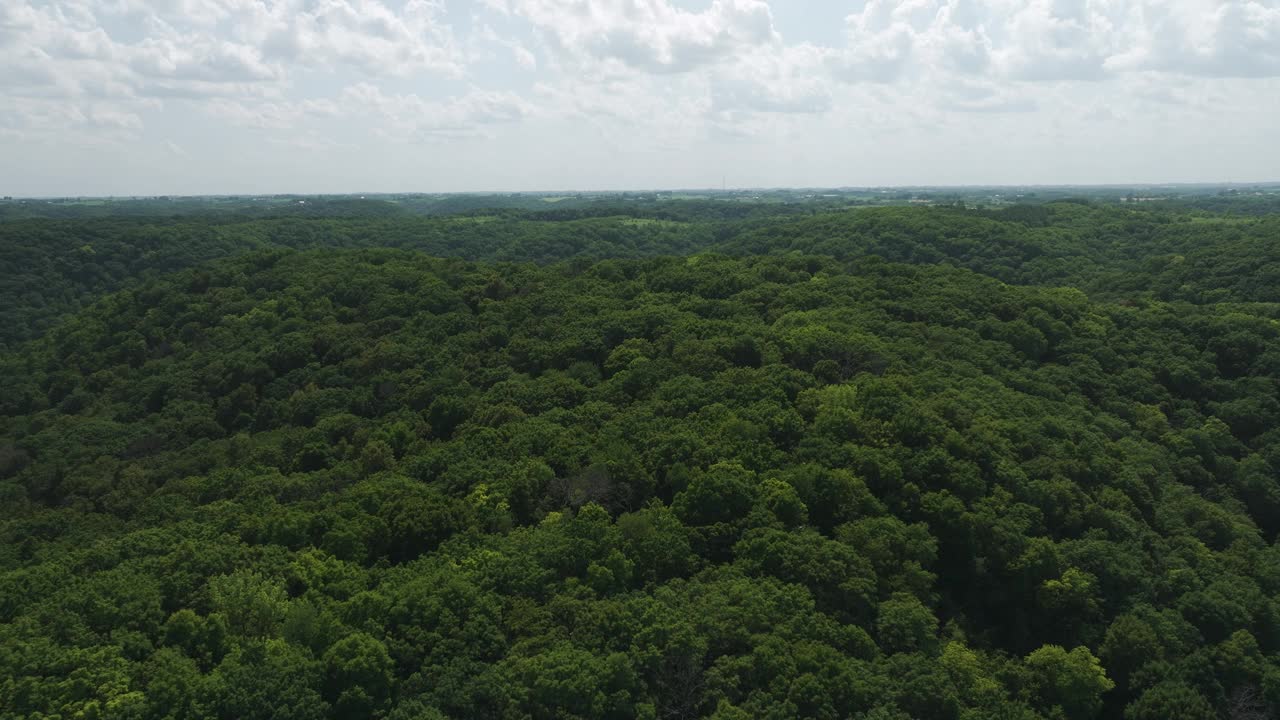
(375, 483)
(1110, 252)
(50, 268)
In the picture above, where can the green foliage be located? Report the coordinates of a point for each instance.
(870, 464)
(903, 624)
(1069, 682)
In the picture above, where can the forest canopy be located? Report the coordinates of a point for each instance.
(896, 462)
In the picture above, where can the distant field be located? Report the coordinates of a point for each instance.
(652, 222)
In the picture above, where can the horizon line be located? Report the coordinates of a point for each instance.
(702, 190)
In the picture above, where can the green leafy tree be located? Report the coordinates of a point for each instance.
(1071, 681)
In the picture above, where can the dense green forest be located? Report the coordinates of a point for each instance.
(51, 268)
(643, 461)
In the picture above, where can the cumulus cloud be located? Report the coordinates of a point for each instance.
(200, 59)
(242, 57)
(1221, 38)
(649, 35)
(41, 120)
(774, 80)
(46, 51)
(363, 34)
(882, 41)
(1059, 40)
(215, 46)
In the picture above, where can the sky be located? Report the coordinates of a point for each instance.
(132, 97)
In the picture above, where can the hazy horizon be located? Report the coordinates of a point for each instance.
(1269, 184)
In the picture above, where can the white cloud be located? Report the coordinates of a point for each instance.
(648, 35)
(637, 112)
(261, 115)
(215, 47)
(775, 79)
(409, 116)
(1222, 38)
(519, 53)
(34, 120)
(199, 59)
(47, 52)
(640, 77)
(882, 41)
(363, 34)
(524, 58)
(243, 56)
(1059, 40)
